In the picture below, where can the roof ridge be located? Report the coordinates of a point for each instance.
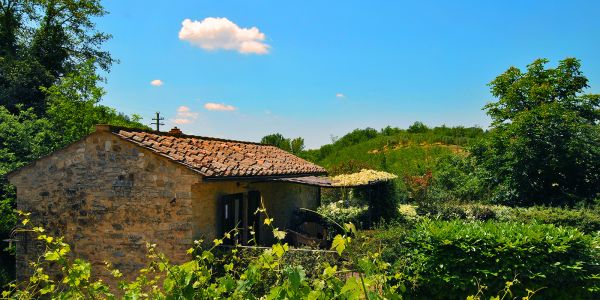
(218, 157)
(116, 128)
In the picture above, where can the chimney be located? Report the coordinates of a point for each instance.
(175, 131)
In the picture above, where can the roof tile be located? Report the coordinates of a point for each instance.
(222, 158)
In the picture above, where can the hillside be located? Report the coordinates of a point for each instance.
(410, 151)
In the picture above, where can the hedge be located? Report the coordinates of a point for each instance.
(449, 259)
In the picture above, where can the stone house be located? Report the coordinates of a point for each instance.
(118, 188)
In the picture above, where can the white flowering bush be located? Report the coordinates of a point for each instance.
(339, 213)
(364, 177)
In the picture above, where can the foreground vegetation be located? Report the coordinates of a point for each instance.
(448, 259)
(50, 54)
(423, 262)
(510, 212)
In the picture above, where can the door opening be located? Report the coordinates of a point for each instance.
(240, 214)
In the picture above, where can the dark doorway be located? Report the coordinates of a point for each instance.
(237, 213)
(253, 217)
(232, 213)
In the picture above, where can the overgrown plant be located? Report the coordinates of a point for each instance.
(448, 259)
(55, 274)
(205, 276)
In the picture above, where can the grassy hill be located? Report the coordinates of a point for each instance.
(411, 151)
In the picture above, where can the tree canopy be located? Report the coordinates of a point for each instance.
(50, 52)
(544, 145)
(295, 146)
(42, 41)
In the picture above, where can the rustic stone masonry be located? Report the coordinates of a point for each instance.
(108, 197)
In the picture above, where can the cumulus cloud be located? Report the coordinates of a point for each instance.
(340, 95)
(184, 115)
(220, 33)
(156, 82)
(182, 121)
(219, 106)
(186, 112)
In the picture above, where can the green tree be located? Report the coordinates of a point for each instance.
(544, 145)
(23, 137)
(297, 145)
(417, 127)
(277, 140)
(43, 40)
(72, 113)
(73, 106)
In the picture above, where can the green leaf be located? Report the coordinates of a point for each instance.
(350, 228)
(278, 234)
(228, 267)
(279, 249)
(47, 289)
(339, 244)
(52, 256)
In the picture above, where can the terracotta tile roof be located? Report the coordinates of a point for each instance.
(221, 158)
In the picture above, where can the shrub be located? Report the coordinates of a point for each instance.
(459, 178)
(264, 274)
(417, 186)
(271, 273)
(450, 211)
(586, 220)
(383, 202)
(481, 213)
(339, 213)
(448, 259)
(380, 200)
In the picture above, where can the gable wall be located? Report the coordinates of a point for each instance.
(108, 197)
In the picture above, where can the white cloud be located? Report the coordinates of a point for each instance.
(182, 121)
(219, 106)
(156, 82)
(220, 33)
(185, 115)
(186, 112)
(340, 95)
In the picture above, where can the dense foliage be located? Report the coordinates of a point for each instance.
(363, 198)
(399, 151)
(449, 259)
(272, 273)
(49, 89)
(544, 146)
(295, 146)
(41, 42)
(586, 220)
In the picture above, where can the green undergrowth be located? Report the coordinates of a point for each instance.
(586, 220)
(410, 151)
(450, 259)
(275, 272)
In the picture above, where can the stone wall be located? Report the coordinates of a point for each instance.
(108, 197)
(280, 199)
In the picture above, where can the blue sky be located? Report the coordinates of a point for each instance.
(318, 69)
